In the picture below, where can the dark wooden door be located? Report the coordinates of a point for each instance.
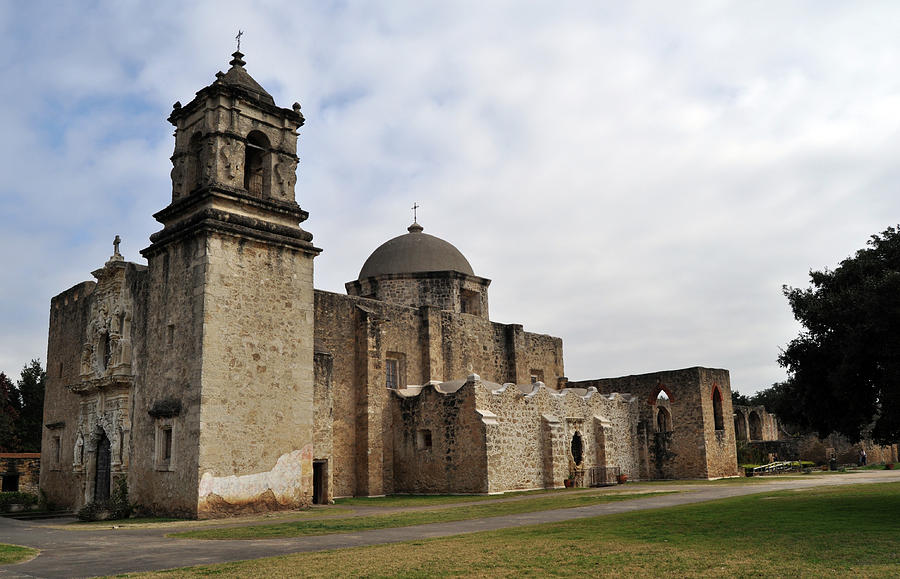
(101, 479)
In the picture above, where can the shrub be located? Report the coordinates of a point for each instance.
(16, 498)
(117, 507)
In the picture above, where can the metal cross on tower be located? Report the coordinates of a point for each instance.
(238, 38)
(414, 207)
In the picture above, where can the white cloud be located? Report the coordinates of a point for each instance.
(640, 179)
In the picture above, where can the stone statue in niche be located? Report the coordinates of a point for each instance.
(78, 457)
(87, 359)
(231, 155)
(286, 175)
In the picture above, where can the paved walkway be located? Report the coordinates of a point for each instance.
(87, 553)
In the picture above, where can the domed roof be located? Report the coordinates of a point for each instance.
(415, 252)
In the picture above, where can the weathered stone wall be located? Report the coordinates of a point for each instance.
(526, 423)
(430, 345)
(440, 289)
(257, 377)
(475, 436)
(69, 316)
(695, 448)
(167, 392)
(323, 442)
(755, 423)
(438, 442)
(498, 352)
(24, 468)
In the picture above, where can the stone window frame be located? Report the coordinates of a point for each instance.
(165, 436)
(394, 370)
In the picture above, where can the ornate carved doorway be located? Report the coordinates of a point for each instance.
(102, 476)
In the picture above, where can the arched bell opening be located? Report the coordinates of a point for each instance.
(256, 164)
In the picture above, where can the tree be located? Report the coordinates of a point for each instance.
(10, 406)
(844, 367)
(738, 399)
(31, 416)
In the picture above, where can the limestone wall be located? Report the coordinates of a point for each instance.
(695, 449)
(167, 391)
(475, 436)
(256, 420)
(23, 469)
(755, 423)
(445, 290)
(438, 443)
(362, 333)
(529, 419)
(69, 317)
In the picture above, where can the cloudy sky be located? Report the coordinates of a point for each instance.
(639, 179)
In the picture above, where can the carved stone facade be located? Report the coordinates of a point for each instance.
(216, 380)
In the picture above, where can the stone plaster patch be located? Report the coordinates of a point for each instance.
(285, 480)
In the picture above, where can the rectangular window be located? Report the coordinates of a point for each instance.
(57, 452)
(164, 447)
(392, 373)
(395, 370)
(423, 439)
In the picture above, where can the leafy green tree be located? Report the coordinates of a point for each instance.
(844, 367)
(10, 405)
(31, 391)
(738, 399)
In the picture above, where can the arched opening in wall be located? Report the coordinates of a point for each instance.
(663, 419)
(255, 160)
(661, 394)
(577, 448)
(717, 408)
(740, 426)
(755, 426)
(195, 152)
(103, 472)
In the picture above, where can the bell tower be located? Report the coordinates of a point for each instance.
(230, 312)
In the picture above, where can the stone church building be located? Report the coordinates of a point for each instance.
(216, 379)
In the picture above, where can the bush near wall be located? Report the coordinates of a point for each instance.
(16, 498)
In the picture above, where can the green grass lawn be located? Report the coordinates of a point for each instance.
(407, 518)
(844, 531)
(10, 554)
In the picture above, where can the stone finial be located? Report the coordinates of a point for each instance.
(177, 105)
(238, 59)
(296, 107)
(415, 228)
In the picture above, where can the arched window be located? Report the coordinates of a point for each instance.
(717, 408)
(577, 449)
(255, 161)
